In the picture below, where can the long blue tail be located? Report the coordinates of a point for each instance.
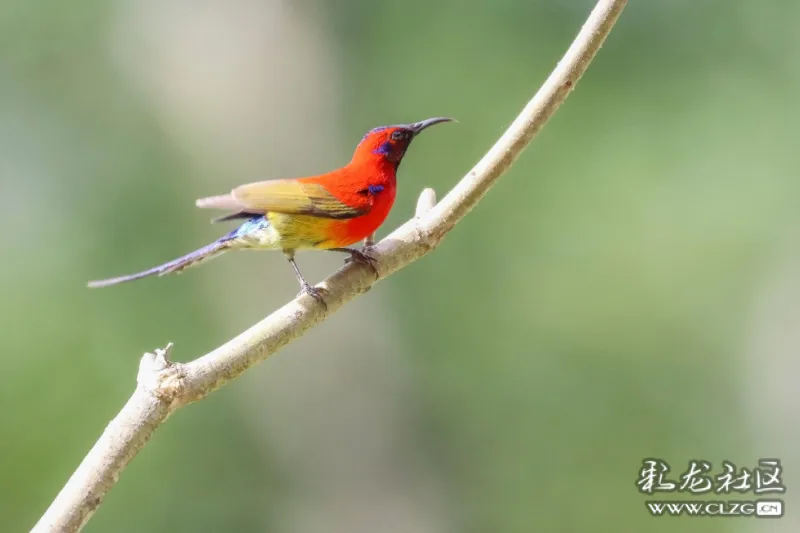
(214, 249)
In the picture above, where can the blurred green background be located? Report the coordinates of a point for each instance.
(630, 288)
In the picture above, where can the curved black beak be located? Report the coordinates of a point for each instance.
(421, 125)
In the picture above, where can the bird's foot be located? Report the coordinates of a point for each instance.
(315, 293)
(362, 256)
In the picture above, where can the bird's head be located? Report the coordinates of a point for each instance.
(390, 143)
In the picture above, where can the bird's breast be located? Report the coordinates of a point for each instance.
(357, 229)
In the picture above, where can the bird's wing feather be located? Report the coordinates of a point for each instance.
(294, 197)
(224, 201)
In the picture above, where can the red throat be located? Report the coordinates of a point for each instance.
(380, 177)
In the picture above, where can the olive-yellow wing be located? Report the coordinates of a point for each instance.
(282, 196)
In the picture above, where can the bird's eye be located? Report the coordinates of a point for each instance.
(398, 135)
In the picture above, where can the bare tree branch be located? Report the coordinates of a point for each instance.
(164, 386)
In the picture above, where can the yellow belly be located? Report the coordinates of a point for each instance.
(292, 232)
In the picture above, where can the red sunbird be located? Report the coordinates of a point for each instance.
(328, 212)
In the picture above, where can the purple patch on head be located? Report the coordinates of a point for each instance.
(375, 189)
(383, 149)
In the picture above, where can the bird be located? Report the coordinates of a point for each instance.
(330, 211)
